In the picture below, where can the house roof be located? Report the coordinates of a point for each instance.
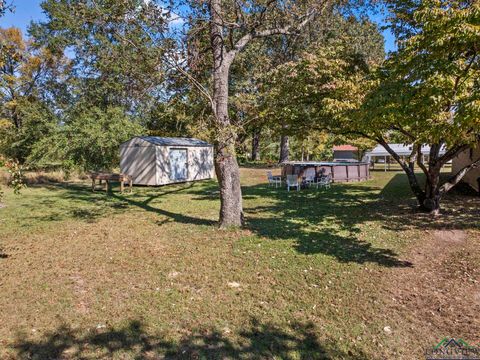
(174, 141)
(345, 148)
(400, 149)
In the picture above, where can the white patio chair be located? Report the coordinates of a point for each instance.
(310, 176)
(292, 181)
(325, 181)
(274, 180)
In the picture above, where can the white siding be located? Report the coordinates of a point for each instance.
(463, 159)
(163, 165)
(149, 164)
(200, 163)
(139, 163)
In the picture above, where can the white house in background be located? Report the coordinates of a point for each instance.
(472, 177)
(380, 155)
(345, 153)
(152, 160)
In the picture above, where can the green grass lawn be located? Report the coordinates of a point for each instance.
(312, 275)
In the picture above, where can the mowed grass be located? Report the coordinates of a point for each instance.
(148, 275)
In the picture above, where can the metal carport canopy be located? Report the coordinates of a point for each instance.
(399, 149)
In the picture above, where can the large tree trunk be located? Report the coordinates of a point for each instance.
(434, 191)
(226, 166)
(414, 185)
(409, 169)
(284, 149)
(431, 202)
(231, 212)
(255, 145)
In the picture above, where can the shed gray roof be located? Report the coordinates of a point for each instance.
(174, 141)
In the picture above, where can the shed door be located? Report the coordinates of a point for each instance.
(178, 164)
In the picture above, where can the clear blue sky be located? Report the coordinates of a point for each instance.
(25, 11)
(29, 10)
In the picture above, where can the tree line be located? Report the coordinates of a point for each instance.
(258, 78)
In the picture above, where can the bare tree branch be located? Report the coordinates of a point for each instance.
(286, 30)
(420, 160)
(404, 132)
(452, 152)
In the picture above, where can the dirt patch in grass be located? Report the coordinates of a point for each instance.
(448, 237)
(438, 296)
(81, 293)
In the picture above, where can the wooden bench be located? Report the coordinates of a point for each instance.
(107, 177)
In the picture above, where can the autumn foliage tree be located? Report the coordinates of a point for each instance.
(287, 87)
(29, 76)
(312, 93)
(428, 92)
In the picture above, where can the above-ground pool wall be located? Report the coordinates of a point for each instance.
(139, 162)
(199, 163)
(339, 172)
(299, 169)
(364, 171)
(350, 172)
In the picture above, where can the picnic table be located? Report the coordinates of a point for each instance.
(107, 177)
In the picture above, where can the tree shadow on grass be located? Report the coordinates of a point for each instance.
(177, 217)
(332, 221)
(256, 341)
(328, 242)
(458, 211)
(85, 205)
(296, 215)
(319, 221)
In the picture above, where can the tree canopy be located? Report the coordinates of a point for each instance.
(427, 92)
(243, 75)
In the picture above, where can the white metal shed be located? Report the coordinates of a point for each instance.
(152, 160)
